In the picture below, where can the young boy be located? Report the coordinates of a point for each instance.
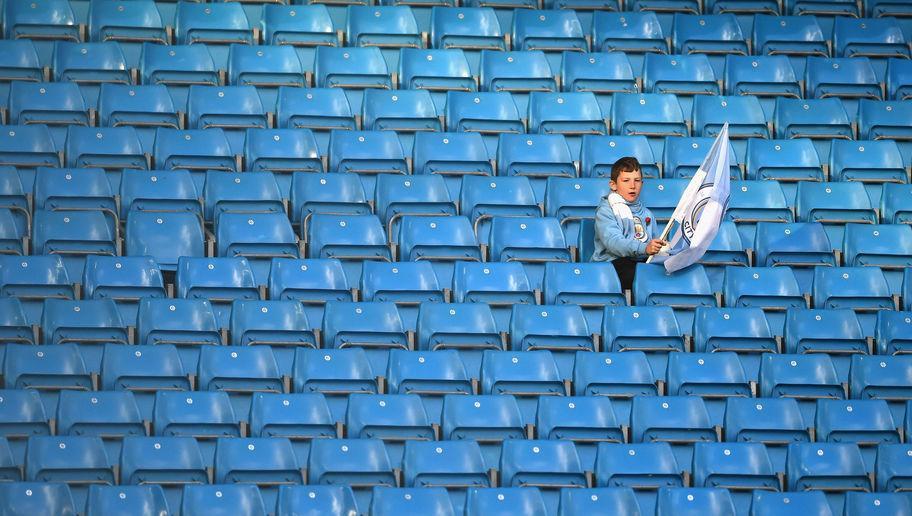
(625, 230)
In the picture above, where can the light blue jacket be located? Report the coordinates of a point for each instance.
(614, 238)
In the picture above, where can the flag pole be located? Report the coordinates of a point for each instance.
(662, 237)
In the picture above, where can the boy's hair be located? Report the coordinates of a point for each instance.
(626, 164)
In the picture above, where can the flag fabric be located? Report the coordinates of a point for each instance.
(699, 213)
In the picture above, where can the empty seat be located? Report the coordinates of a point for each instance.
(536, 156)
(800, 246)
(592, 286)
(394, 419)
(654, 115)
(128, 25)
(143, 372)
(711, 376)
(44, 23)
(469, 28)
(686, 76)
(806, 378)
(436, 71)
(793, 36)
(764, 76)
(552, 32)
(19, 63)
(451, 155)
(685, 292)
(152, 234)
(754, 201)
(551, 465)
(47, 369)
(33, 279)
(375, 326)
(23, 416)
(317, 499)
(742, 468)
(489, 113)
(525, 375)
(407, 284)
(618, 376)
(144, 108)
(845, 78)
(487, 420)
(54, 104)
(177, 67)
(428, 375)
(744, 331)
(349, 238)
(14, 327)
(397, 197)
(645, 467)
(388, 28)
(571, 114)
(75, 461)
(368, 154)
(613, 500)
(320, 109)
(507, 501)
(184, 323)
(300, 418)
(834, 468)
(205, 416)
(598, 154)
(89, 65)
(216, 26)
(427, 500)
(222, 500)
(881, 378)
(218, 281)
(124, 280)
(257, 238)
(873, 503)
(572, 200)
(867, 423)
(361, 463)
(267, 68)
(694, 501)
(716, 35)
(454, 465)
(766, 503)
(532, 241)
(354, 69)
(774, 422)
(89, 324)
(467, 327)
(885, 120)
(683, 157)
(680, 421)
(336, 373)
(125, 499)
(583, 420)
(441, 240)
(898, 84)
(37, 498)
(28, 147)
(171, 462)
(241, 372)
(861, 289)
(280, 325)
(310, 283)
(560, 329)
(483, 198)
(653, 330)
(821, 120)
(881, 164)
(500, 285)
(892, 468)
(13, 199)
(267, 463)
(234, 109)
(197, 150)
(635, 34)
(743, 113)
(325, 193)
(405, 111)
(282, 152)
(112, 416)
(304, 28)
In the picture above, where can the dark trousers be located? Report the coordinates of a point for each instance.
(625, 268)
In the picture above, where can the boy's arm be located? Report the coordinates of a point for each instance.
(611, 234)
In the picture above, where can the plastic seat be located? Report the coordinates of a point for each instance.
(898, 84)
(773, 422)
(23, 417)
(394, 419)
(315, 500)
(644, 467)
(280, 325)
(635, 34)
(754, 201)
(177, 67)
(849, 161)
(300, 418)
(531, 375)
(428, 375)
(834, 204)
(13, 198)
(573, 200)
(354, 69)
(822, 120)
(716, 35)
(407, 284)
(241, 372)
(171, 462)
(657, 336)
(144, 108)
(613, 500)
(881, 378)
(397, 197)
(88, 324)
(885, 120)
(772, 289)
(489, 112)
(242, 235)
(654, 115)
(304, 28)
(89, 65)
(598, 73)
(506, 501)
(234, 109)
(800, 246)
(684, 155)
(618, 376)
(27, 147)
(321, 110)
(282, 152)
(368, 154)
(532, 241)
(75, 461)
(142, 372)
(742, 330)
(310, 283)
(598, 154)
(686, 76)
(560, 329)
(680, 421)
(483, 198)
(469, 28)
(451, 155)
(129, 25)
(205, 416)
(584, 421)
(894, 204)
(685, 292)
(592, 286)
(552, 32)
(267, 68)
(44, 23)
(428, 500)
(834, 468)
(499, 285)
(793, 36)
(388, 28)
(890, 332)
(892, 468)
(764, 76)
(868, 423)
(222, 500)
(711, 376)
(861, 289)
(219, 281)
(486, 420)
(872, 503)
(267, 463)
(375, 326)
(112, 416)
(125, 499)
(742, 468)
(350, 238)
(538, 157)
(19, 63)
(694, 501)
(49, 370)
(325, 193)
(75, 190)
(37, 498)
(570, 114)
(33, 279)
(805, 378)
(845, 78)
(457, 466)
(55, 233)
(551, 465)
(216, 26)
(766, 503)
(57, 105)
(710, 113)
(196, 150)
(185, 323)
(107, 148)
(466, 327)
(440, 240)
(14, 328)
(407, 112)
(159, 191)
(436, 71)
(361, 463)
(336, 373)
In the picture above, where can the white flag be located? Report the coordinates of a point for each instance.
(700, 210)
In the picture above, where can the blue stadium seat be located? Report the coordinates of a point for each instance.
(686, 76)
(205, 416)
(742, 468)
(680, 421)
(216, 26)
(281, 325)
(89, 65)
(467, 327)
(88, 324)
(310, 283)
(196, 150)
(552, 32)
(354, 69)
(845, 78)
(142, 372)
(33, 279)
(315, 499)
(805, 378)
(336, 373)
(468, 28)
(726, 250)
(42, 22)
(868, 423)
(505, 501)
(602, 74)
(441, 240)
(267, 68)
(694, 501)
(862, 504)
(27, 147)
(793, 36)
(644, 467)
(110, 148)
(684, 155)
(551, 465)
(222, 500)
(375, 326)
(821, 120)
(349, 238)
(13, 240)
(239, 371)
(592, 286)
(536, 156)
(234, 109)
(144, 108)
(266, 462)
(300, 418)
(170, 462)
(711, 376)
(834, 468)
(219, 281)
(130, 25)
(158, 190)
(716, 35)
(54, 104)
(810, 503)
(560, 329)
(407, 284)
(661, 196)
(774, 422)
(685, 291)
(397, 196)
(892, 468)
(653, 330)
(885, 120)
(177, 67)
(394, 419)
(598, 154)
(898, 81)
(835, 332)
(483, 198)
(585, 421)
(37, 498)
(764, 76)
(793, 161)
(282, 152)
(608, 500)
(882, 378)
(125, 500)
(799, 245)
(635, 34)
(500, 285)
(390, 501)
(320, 109)
(525, 375)
(48, 369)
(834, 204)
(325, 193)
(112, 416)
(73, 460)
(890, 333)
(185, 323)
(23, 416)
(368, 154)
(618, 375)
(486, 419)
(654, 115)
(19, 63)
(428, 375)
(14, 199)
(61, 195)
(872, 163)
(388, 28)
(532, 241)
(743, 114)
(862, 289)
(571, 114)
(895, 204)
(742, 330)
(14, 327)
(489, 113)
(454, 465)
(572, 200)
(451, 155)
(407, 112)
(257, 238)
(302, 27)
(360, 463)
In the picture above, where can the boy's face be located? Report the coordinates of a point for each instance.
(628, 185)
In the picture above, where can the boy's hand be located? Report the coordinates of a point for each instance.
(654, 246)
